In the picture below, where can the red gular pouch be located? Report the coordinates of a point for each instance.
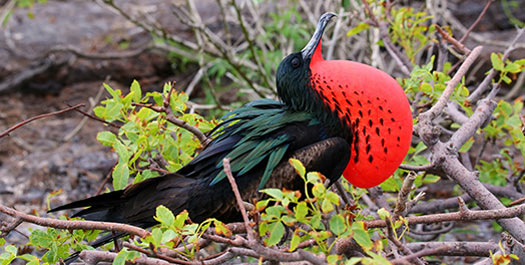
(376, 109)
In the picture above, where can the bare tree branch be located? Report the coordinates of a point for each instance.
(41, 116)
(469, 215)
(67, 224)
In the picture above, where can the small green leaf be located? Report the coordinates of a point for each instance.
(327, 206)
(99, 111)
(337, 224)
(467, 145)
(276, 233)
(506, 79)
(275, 193)
(114, 93)
(120, 175)
(164, 216)
(333, 197)
(357, 29)
(497, 63)
(106, 138)
(122, 151)
(383, 214)
(156, 235)
(301, 210)
(222, 229)
(288, 220)
(513, 68)
(298, 166)
(316, 221)
(137, 92)
(296, 239)
(260, 205)
(168, 235)
(505, 107)
(181, 219)
(361, 236)
(11, 249)
(125, 255)
(333, 259)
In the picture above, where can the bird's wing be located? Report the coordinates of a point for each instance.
(259, 133)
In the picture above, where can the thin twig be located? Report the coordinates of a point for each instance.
(84, 120)
(67, 224)
(457, 216)
(483, 12)
(452, 40)
(97, 118)
(421, 253)
(240, 204)
(41, 116)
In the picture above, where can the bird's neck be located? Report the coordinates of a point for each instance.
(316, 103)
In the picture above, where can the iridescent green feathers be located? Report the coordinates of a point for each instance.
(253, 136)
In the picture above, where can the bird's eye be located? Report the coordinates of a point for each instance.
(295, 62)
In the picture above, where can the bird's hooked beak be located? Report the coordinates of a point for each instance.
(308, 50)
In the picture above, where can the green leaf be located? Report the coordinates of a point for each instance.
(260, 205)
(275, 193)
(114, 93)
(301, 210)
(276, 233)
(275, 211)
(112, 111)
(505, 107)
(125, 255)
(467, 145)
(181, 219)
(137, 92)
(378, 259)
(106, 138)
(316, 221)
(333, 259)
(506, 79)
(298, 166)
(333, 197)
(164, 216)
(168, 235)
(513, 68)
(11, 249)
(361, 236)
(357, 29)
(337, 224)
(296, 239)
(383, 214)
(327, 206)
(222, 229)
(497, 63)
(156, 235)
(122, 152)
(288, 220)
(32, 260)
(120, 175)
(99, 111)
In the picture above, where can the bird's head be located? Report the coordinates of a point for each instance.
(369, 106)
(294, 71)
